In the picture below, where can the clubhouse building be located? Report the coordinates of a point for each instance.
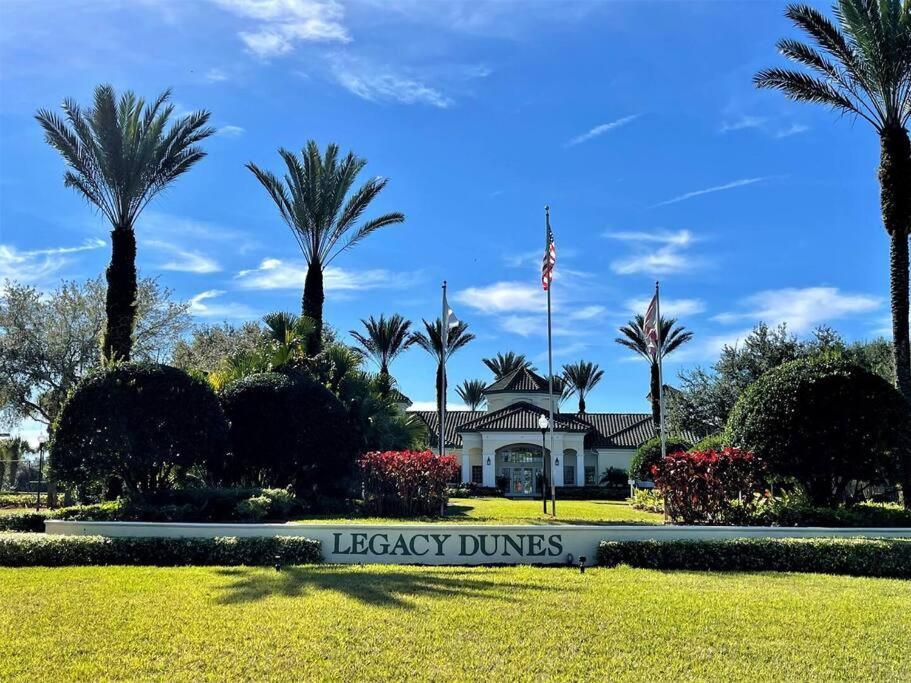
(506, 441)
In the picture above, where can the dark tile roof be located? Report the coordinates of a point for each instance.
(454, 420)
(520, 380)
(621, 430)
(522, 417)
(398, 397)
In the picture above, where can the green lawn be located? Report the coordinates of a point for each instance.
(372, 622)
(507, 511)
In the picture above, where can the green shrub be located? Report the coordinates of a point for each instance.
(796, 511)
(16, 500)
(649, 453)
(143, 424)
(825, 424)
(649, 500)
(715, 442)
(33, 550)
(29, 522)
(855, 556)
(255, 509)
(591, 492)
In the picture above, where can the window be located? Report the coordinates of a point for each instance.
(569, 475)
(477, 474)
(590, 476)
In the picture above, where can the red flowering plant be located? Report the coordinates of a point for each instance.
(407, 483)
(705, 487)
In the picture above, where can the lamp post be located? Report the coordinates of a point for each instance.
(40, 467)
(543, 424)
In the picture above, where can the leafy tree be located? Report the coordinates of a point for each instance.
(580, 378)
(673, 336)
(504, 363)
(210, 345)
(432, 342)
(311, 199)
(12, 451)
(385, 339)
(121, 154)
(825, 423)
(864, 70)
(471, 391)
(649, 453)
(143, 423)
(49, 341)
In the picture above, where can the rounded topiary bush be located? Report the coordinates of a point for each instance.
(649, 453)
(824, 423)
(144, 424)
(714, 442)
(288, 430)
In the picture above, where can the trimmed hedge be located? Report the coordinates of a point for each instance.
(17, 500)
(854, 556)
(591, 492)
(30, 550)
(25, 522)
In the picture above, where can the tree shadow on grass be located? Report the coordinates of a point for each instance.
(368, 585)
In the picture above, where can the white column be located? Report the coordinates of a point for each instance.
(466, 468)
(489, 464)
(580, 468)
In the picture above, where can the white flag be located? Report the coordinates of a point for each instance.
(451, 319)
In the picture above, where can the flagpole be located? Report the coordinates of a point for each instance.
(444, 343)
(550, 372)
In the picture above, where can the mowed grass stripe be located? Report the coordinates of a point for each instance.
(375, 622)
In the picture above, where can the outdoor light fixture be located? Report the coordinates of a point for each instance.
(278, 563)
(557, 461)
(582, 564)
(488, 459)
(543, 424)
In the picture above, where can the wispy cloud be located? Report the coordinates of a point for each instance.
(502, 297)
(215, 75)
(275, 273)
(277, 26)
(230, 131)
(669, 307)
(601, 129)
(186, 233)
(383, 83)
(672, 254)
(202, 305)
(772, 127)
(183, 260)
(743, 123)
(793, 129)
(710, 190)
(37, 265)
(801, 309)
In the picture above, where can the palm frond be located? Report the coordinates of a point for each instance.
(471, 391)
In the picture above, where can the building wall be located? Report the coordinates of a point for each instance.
(498, 401)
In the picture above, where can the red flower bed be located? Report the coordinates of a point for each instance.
(409, 483)
(702, 487)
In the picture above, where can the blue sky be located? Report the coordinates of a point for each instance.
(636, 122)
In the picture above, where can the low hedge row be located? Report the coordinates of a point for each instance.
(17, 500)
(854, 556)
(32, 550)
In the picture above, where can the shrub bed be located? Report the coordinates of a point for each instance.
(855, 556)
(30, 550)
(785, 512)
(17, 500)
(591, 492)
(409, 483)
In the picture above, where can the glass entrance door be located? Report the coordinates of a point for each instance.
(524, 481)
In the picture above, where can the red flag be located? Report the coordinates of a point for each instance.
(650, 326)
(550, 259)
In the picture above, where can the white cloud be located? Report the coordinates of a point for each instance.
(230, 131)
(793, 129)
(671, 256)
(503, 297)
(801, 308)
(274, 273)
(432, 405)
(277, 26)
(709, 190)
(178, 230)
(183, 260)
(36, 265)
(215, 75)
(202, 305)
(588, 312)
(601, 130)
(743, 123)
(378, 83)
(669, 307)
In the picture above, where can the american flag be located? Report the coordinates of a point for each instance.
(650, 326)
(550, 259)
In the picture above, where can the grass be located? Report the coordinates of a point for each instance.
(516, 511)
(378, 622)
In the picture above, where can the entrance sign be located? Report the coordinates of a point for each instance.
(457, 544)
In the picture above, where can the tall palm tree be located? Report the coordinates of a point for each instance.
(121, 154)
(864, 70)
(385, 339)
(471, 391)
(504, 363)
(673, 336)
(581, 378)
(432, 342)
(314, 198)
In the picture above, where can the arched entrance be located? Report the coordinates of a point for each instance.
(521, 465)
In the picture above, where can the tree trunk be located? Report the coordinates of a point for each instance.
(655, 391)
(120, 305)
(581, 404)
(441, 380)
(312, 305)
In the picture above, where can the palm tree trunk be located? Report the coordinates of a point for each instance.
(120, 305)
(655, 392)
(312, 306)
(895, 201)
(581, 404)
(441, 380)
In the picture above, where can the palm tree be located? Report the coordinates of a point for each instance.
(864, 70)
(581, 378)
(311, 199)
(672, 338)
(471, 391)
(385, 339)
(432, 342)
(504, 363)
(289, 333)
(120, 155)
